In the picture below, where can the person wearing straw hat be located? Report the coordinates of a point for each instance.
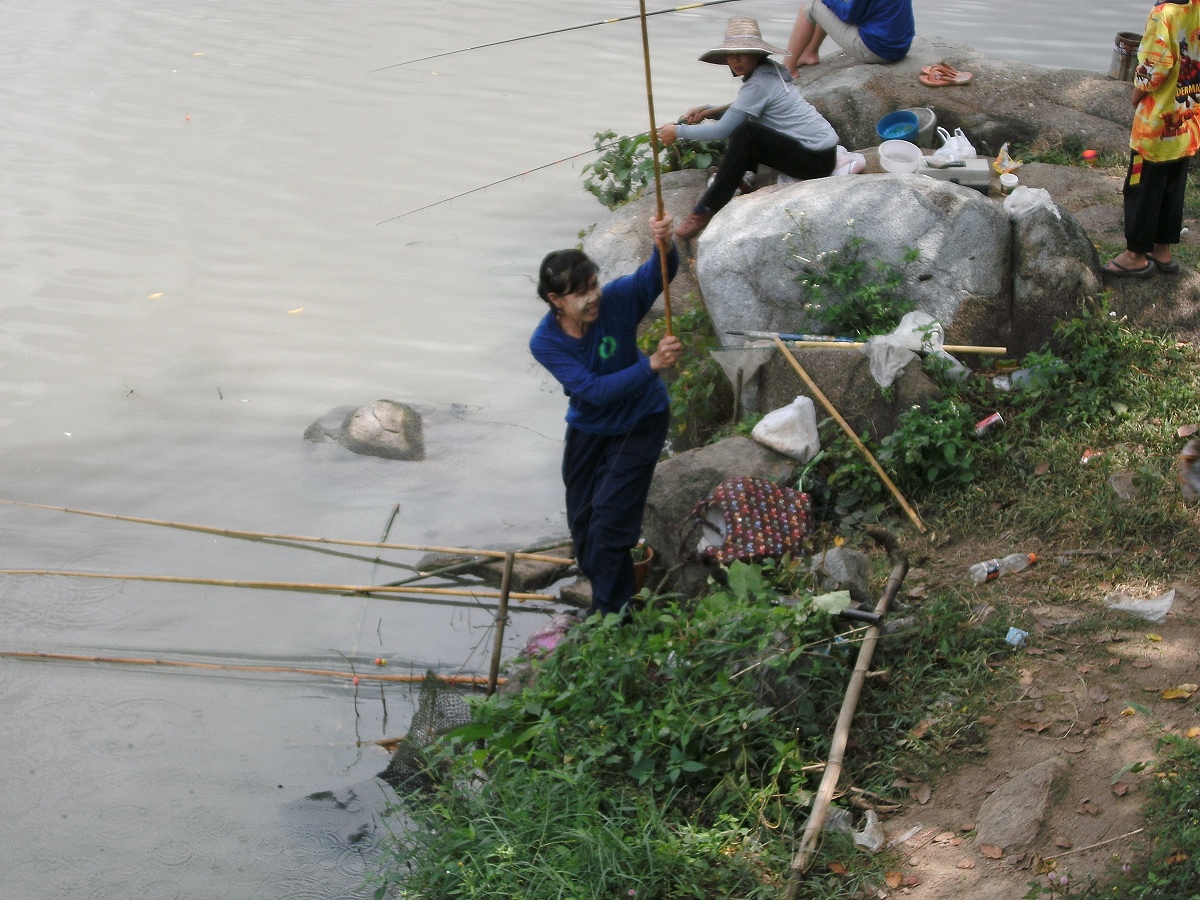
(769, 122)
(870, 31)
(619, 409)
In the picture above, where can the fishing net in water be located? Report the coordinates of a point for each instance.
(440, 710)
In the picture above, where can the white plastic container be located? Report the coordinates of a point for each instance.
(900, 157)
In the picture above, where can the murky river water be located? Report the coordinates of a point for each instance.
(191, 271)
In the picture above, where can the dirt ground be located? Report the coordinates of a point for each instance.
(1094, 700)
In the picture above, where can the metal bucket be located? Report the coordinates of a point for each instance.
(1124, 58)
(926, 125)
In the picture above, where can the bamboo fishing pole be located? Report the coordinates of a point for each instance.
(260, 535)
(841, 734)
(663, 247)
(471, 680)
(526, 37)
(308, 587)
(844, 343)
(816, 392)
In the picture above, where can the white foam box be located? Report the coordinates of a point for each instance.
(977, 173)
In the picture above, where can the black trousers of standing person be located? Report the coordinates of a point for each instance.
(1154, 202)
(752, 144)
(607, 479)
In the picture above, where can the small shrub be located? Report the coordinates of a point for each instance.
(626, 166)
(853, 295)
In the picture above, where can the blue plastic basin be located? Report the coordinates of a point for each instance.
(901, 125)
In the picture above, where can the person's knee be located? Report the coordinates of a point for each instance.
(807, 10)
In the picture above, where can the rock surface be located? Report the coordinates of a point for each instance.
(683, 481)
(1013, 814)
(385, 428)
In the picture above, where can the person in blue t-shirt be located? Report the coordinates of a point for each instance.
(618, 411)
(871, 31)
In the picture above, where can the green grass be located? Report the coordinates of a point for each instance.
(671, 757)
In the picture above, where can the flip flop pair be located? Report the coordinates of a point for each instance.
(1116, 270)
(943, 75)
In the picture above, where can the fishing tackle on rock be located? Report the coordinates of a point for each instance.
(526, 37)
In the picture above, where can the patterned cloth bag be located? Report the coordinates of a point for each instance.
(748, 519)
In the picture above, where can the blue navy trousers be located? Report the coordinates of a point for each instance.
(607, 479)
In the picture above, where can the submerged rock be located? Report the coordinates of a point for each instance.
(385, 428)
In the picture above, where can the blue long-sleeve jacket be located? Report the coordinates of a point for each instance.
(608, 379)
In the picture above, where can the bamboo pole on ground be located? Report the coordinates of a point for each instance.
(837, 750)
(470, 680)
(501, 622)
(292, 585)
(816, 391)
(949, 348)
(663, 247)
(261, 535)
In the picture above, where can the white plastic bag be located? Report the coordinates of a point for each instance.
(890, 353)
(1154, 610)
(848, 163)
(1024, 200)
(954, 146)
(792, 430)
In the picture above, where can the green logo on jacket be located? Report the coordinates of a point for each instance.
(608, 346)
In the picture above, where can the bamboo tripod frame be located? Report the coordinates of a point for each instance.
(816, 392)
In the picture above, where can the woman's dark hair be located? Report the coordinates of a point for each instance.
(564, 272)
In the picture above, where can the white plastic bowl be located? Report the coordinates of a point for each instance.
(899, 156)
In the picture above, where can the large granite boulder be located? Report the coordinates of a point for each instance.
(1005, 101)
(751, 256)
(683, 481)
(385, 428)
(620, 241)
(1054, 267)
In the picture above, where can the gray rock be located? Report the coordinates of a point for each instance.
(755, 249)
(843, 569)
(1012, 815)
(1054, 269)
(1005, 101)
(844, 377)
(619, 242)
(683, 481)
(385, 428)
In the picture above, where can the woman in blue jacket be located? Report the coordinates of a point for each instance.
(872, 31)
(618, 412)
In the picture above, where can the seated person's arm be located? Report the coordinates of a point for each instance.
(714, 130)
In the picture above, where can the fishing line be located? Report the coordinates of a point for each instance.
(596, 149)
(657, 12)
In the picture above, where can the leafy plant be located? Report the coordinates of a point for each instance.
(701, 396)
(854, 295)
(626, 166)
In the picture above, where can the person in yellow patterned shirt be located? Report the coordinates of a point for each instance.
(1165, 137)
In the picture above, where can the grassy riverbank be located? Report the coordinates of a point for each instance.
(676, 756)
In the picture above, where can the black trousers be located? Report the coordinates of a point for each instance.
(753, 143)
(607, 479)
(1154, 202)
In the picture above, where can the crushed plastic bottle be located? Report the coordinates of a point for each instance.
(992, 569)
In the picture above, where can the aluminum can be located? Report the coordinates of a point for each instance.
(983, 426)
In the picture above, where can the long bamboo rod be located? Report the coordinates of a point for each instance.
(501, 622)
(472, 680)
(663, 246)
(949, 348)
(315, 587)
(262, 535)
(816, 391)
(841, 734)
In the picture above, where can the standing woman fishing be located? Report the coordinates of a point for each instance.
(769, 122)
(618, 412)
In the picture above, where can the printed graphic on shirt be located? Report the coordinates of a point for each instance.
(608, 346)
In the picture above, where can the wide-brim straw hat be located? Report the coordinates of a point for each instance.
(742, 35)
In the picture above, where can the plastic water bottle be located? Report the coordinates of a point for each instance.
(994, 568)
